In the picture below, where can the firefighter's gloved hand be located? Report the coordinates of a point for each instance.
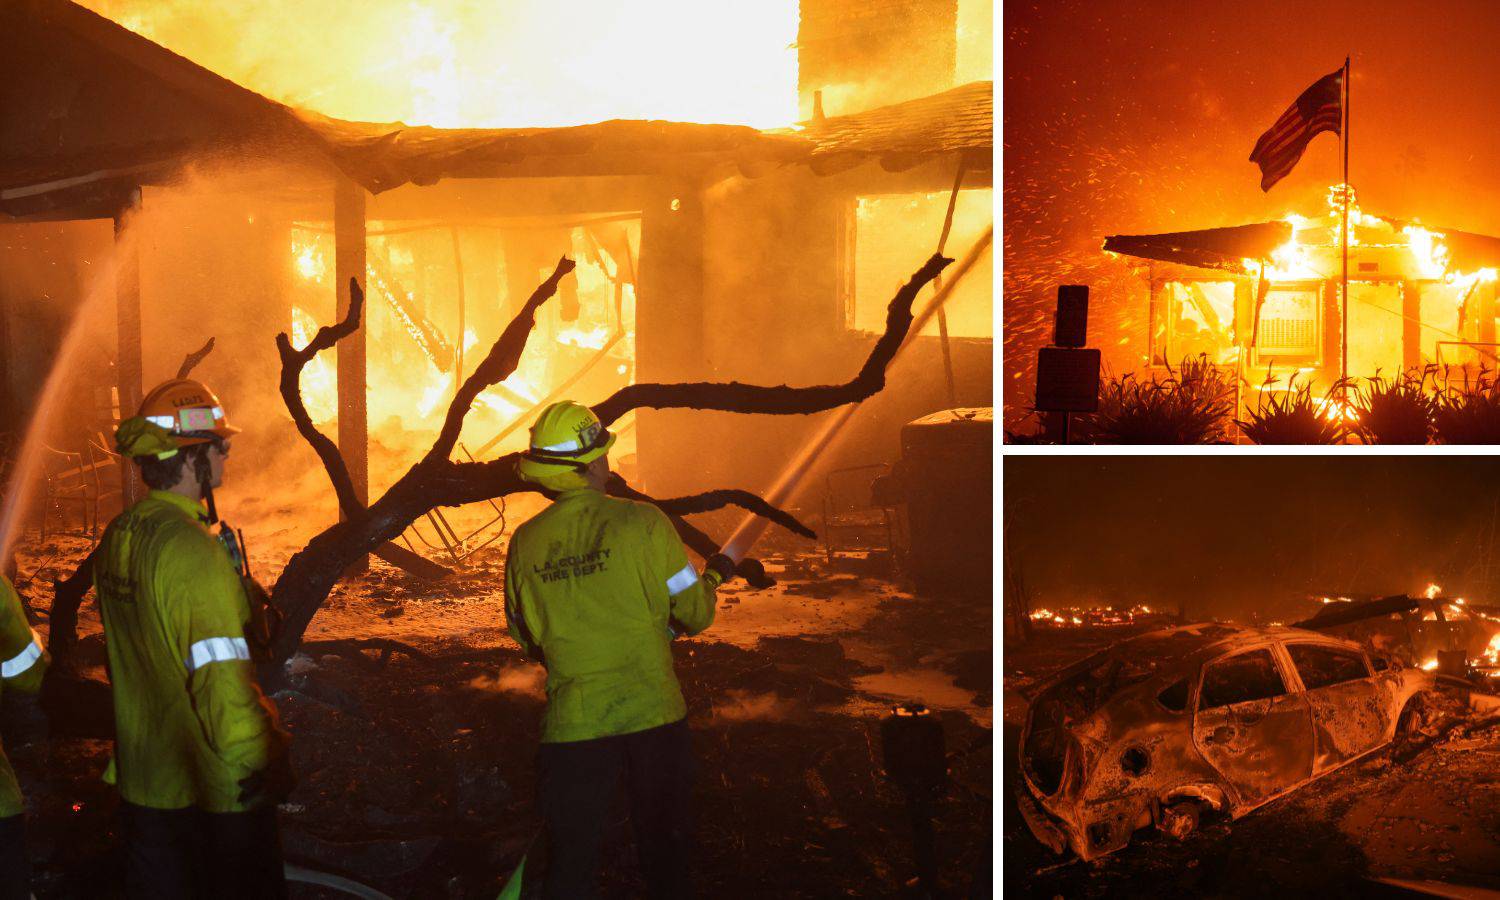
(719, 569)
(271, 785)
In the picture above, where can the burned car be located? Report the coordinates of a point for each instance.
(1165, 727)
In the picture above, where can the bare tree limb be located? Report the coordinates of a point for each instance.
(499, 364)
(190, 362)
(696, 540)
(436, 480)
(783, 400)
(712, 500)
(293, 361)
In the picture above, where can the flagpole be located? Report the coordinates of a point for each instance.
(1344, 134)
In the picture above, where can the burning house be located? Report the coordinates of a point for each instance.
(232, 216)
(1264, 299)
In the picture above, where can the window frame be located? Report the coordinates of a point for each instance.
(1287, 684)
(846, 262)
(1161, 301)
(1364, 657)
(1320, 325)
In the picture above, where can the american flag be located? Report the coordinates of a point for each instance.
(1317, 109)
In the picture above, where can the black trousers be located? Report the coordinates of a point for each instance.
(184, 854)
(578, 781)
(15, 868)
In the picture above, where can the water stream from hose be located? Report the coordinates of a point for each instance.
(752, 526)
(26, 469)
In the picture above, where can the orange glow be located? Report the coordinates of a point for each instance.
(1491, 653)
(1433, 590)
(452, 63)
(319, 381)
(1430, 664)
(1305, 253)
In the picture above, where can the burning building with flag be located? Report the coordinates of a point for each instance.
(1263, 299)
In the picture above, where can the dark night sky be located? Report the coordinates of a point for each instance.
(1131, 116)
(1231, 534)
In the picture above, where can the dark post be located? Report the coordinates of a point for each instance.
(668, 318)
(916, 759)
(1411, 326)
(128, 335)
(349, 262)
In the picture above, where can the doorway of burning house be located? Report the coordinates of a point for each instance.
(245, 260)
(458, 259)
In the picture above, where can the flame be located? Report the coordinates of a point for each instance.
(320, 393)
(592, 339)
(1298, 258)
(1333, 409)
(1433, 590)
(456, 63)
(1491, 653)
(1430, 664)
(310, 260)
(1428, 249)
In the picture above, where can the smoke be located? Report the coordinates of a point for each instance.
(527, 681)
(747, 706)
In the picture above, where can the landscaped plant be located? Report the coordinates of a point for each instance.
(1293, 416)
(1192, 405)
(1395, 411)
(1468, 411)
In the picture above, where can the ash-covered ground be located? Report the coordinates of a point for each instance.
(1427, 814)
(417, 774)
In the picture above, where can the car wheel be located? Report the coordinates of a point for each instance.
(1412, 728)
(1180, 819)
(1415, 719)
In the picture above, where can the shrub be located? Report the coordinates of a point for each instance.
(1293, 416)
(1192, 405)
(1398, 411)
(1468, 412)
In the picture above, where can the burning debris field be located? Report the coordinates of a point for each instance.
(415, 727)
(1237, 736)
(469, 452)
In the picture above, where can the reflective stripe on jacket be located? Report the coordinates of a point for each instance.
(190, 720)
(22, 663)
(595, 587)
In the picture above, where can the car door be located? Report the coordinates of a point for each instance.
(1252, 726)
(1351, 708)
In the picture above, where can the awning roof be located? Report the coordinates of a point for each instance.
(1227, 248)
(89, 109)
(961, 120)
(1214, 248)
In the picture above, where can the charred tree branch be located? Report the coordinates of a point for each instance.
(718, 499)
(696, 540)
(784, 400)
(292, 363)
(712, 500)
(499, 364)
(190, 362)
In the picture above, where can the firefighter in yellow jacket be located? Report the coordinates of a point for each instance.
(200, 759)
(22, 663)
(596, 587)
